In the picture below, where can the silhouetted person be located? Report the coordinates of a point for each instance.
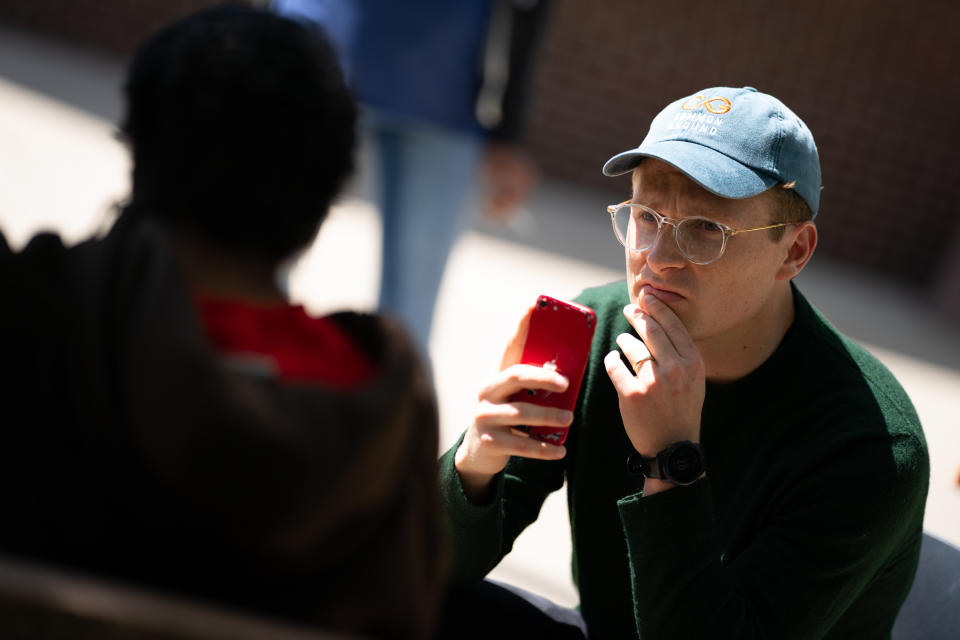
(168, 418)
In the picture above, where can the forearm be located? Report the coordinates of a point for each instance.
(479, 488)
(676, 569)
(795, 576)
(474, 528)
(483, 533)
(527, 27)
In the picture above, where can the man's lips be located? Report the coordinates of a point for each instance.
(666, 295)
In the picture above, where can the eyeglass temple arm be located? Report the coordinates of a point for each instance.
(732, 232)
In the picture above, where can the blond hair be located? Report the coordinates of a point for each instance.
(787, 206)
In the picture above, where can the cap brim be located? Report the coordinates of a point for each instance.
(710, 169)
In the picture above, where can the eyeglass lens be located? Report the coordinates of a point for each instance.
(699, 239)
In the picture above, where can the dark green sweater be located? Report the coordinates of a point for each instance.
(807, 525)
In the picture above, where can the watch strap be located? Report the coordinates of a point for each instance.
(641, 465)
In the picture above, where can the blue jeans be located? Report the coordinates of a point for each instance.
(426, 175)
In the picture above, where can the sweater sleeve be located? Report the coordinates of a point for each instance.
(481, 535)
(854, 520)
(474, 531)
(527, 24)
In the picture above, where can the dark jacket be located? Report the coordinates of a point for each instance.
(464, 65)
(127, 449)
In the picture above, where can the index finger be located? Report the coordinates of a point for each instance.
(520, 377)
(671, 324)
(621, 377)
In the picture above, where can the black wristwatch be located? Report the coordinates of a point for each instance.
(681, 463)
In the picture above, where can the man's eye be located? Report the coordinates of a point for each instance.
(702, 225)
(646, 217)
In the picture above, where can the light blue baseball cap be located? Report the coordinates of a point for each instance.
(736, 143)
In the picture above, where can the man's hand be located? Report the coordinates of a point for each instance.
(661, 402)
(509, 175)
(493, 436)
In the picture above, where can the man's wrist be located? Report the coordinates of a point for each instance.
(653, 486)
(477, 487)
(680, 463)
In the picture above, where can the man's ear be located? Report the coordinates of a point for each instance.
(802, 241)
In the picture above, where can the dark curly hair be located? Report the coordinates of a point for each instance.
(241, 129)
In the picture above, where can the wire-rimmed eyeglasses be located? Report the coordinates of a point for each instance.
(700, 240)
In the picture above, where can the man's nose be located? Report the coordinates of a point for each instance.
(665, 253)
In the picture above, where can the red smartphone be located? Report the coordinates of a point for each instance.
(559, 336)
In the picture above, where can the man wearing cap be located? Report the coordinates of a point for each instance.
(736, 467)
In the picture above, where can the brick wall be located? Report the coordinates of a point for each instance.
(115, 25)
(874, 81)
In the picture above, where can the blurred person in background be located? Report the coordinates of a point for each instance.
(170, 419)
(735, 467)
(444, 85)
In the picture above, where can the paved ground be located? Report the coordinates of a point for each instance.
(61, 168)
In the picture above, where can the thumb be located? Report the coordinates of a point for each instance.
(511, 355)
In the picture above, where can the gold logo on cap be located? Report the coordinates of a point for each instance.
(701, 100)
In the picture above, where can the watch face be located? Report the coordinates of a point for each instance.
(684, 464)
